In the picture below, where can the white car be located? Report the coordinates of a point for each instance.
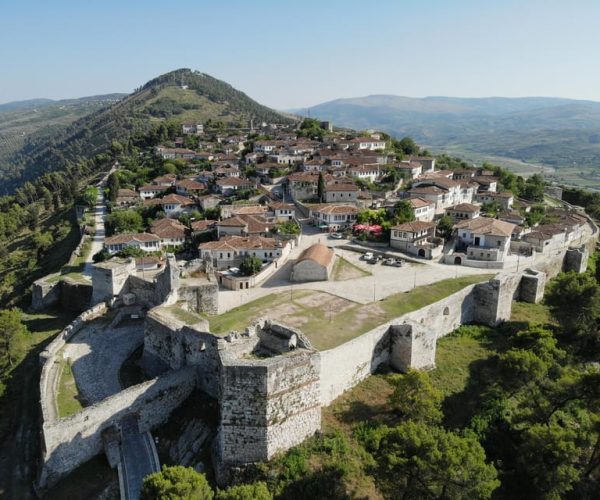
(336, 236)
(368, 256)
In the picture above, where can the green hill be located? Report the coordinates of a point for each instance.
(200, 98)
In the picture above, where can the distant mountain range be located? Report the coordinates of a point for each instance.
(550, 131)
(94, 122)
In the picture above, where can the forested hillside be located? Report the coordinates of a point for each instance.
(37, 120)
(182, 95)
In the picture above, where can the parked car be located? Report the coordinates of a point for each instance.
(336, 236)
(372, 260)
(393, 262)
(368, 256)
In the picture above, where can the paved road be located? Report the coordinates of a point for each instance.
(138, 458)
(99, 219)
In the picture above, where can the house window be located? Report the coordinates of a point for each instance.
(499, 243)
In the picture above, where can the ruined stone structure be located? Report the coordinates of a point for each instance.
(270, 383)
(69, 294)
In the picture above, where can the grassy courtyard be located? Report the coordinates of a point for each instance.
(329, 320)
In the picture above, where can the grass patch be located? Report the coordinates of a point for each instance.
(68, 399)
(328, 320)
(346, 270)
(187, 317)
(523, 312)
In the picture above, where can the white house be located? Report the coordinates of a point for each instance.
(171, 232)
(334, 217)
(484, 238)
(423, 210)
(231, 250)
(189, 187)
(282, 211)
(144, 241)
(151, 191)
(365, 172)
(368, 143)
(416, 238)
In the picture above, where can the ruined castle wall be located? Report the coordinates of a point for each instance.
(171, 345)
(493, 299)
(71, 441)
(74, 295)
(346, 365)
(293, 410)
(268, 405)
(51, 369)
(533, 284)
(44, 294)
(143, 289)
(203, 297)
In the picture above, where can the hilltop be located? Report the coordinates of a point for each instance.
(562, 134)
(182, 95)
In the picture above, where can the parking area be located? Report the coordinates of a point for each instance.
(378, 281)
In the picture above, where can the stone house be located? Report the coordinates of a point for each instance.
(484, 238)
(365, 172)
(423, 210)
(144, 241)
(203, 227)
(416, 238)
(447, 192)
(367, 143)
(314, 264)
(340, 192)
(282, 211)
(410, 169)
(230, 185)
(175, 205)
(486, 183)
(428, 162)
(167, 180)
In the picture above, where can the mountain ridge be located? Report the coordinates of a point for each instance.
(180, 95)
(549, 131)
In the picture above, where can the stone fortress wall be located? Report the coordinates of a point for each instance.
(69, 442)
(269, 381)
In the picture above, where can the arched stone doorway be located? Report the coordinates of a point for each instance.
(458, 261)
(421, 252)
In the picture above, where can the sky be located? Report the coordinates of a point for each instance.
(293, 54)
